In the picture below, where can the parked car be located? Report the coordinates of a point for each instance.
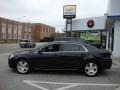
(62, 55)
(26, 43)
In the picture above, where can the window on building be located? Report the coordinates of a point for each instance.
(2, 35)
(4, 25)
(15, 36)
(10, 26)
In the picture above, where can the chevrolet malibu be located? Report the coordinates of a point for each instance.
(62, 55)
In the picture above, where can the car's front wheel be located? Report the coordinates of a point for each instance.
(23, 66)
(91, 68)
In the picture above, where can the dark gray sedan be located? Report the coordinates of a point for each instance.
(62, 55)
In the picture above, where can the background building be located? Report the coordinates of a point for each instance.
(91, 29)
(113, 27)
(41, 31)
(12, 31)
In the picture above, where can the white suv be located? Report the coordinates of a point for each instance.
(26, 43)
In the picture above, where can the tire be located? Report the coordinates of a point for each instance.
(23, 67)
(26, 46)
(34, 46)
(91, 68)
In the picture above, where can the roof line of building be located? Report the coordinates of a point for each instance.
(42, 24)
(10, 20)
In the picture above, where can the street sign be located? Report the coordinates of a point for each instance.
(69, 11)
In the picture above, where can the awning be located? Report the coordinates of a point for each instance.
(113, 17)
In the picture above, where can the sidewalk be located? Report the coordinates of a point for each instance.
(17, 44)
(8, 44)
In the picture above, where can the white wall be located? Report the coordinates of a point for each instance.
(81, 24)
(114, 7)
(116, 48)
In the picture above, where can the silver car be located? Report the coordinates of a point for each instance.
(26, 43)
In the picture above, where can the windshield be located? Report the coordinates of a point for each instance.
(40, 46)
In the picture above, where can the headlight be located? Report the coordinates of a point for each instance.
(11, 56)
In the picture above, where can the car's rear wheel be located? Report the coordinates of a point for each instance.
(91, 68)
(23, 66)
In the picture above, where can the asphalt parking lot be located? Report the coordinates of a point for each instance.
(55, 80)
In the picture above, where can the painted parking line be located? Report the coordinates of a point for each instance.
(68, 85)
(115, 66)
(116, 63)
(118, 88)
(34, 83)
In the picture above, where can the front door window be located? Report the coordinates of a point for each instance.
(51, 48)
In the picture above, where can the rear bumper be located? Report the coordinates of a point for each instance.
(107, 64)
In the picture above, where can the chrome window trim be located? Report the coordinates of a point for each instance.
(85, 48)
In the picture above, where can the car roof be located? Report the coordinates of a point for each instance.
(62, 42)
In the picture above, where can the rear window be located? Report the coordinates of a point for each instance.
(91, 48)
(24, 41)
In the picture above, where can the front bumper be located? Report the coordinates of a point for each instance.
(11, 62)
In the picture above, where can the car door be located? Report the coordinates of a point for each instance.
(71, 55)
(47, 56)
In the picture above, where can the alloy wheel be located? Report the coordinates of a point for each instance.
(91, 69)
(23, 66)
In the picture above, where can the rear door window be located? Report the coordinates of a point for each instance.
(71, 47)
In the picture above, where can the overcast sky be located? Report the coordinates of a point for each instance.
(50, 11)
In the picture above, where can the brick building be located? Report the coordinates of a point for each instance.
(12, 31)
(41, 31)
